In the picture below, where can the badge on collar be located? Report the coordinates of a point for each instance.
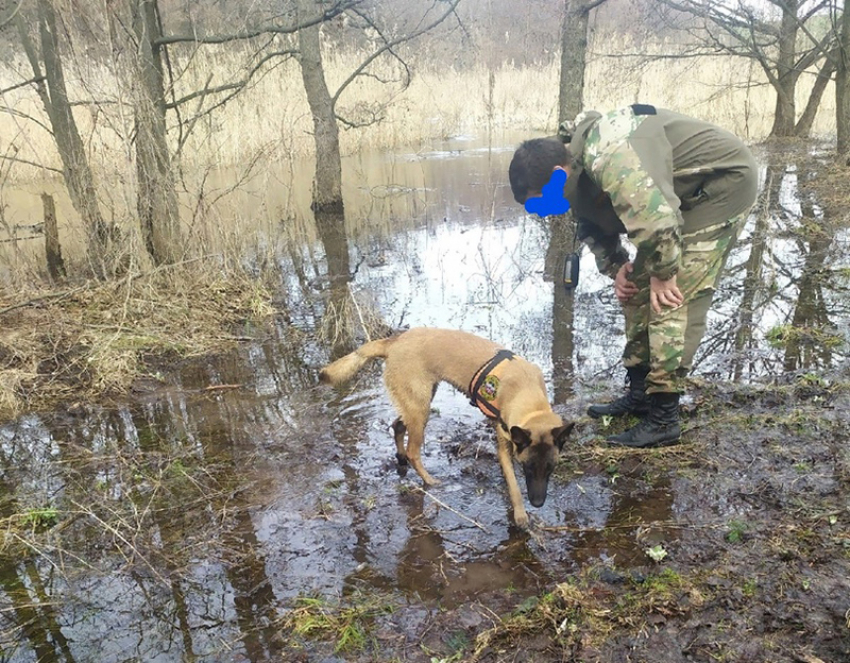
(489, 389)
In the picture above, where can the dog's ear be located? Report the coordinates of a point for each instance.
(521, 438)
(561, 434)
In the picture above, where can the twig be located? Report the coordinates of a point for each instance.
(359, 314)
(56, 295)
(661, 524)
(31, 163)
(19, 239)
(457, 513)
(114, 531)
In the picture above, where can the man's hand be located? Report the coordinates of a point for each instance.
(623, 288)
(664, 293)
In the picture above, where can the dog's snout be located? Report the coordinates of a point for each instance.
(537, 491)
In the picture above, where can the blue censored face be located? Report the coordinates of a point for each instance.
(552, 201)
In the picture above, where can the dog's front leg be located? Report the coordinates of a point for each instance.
(507, 462)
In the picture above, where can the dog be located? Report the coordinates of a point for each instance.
(507, 388)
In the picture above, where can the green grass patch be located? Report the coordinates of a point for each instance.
(347, 625)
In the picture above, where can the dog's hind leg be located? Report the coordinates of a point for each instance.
(399, 431)
(415, 439)
(413, 403)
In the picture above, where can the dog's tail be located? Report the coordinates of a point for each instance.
(345, 368)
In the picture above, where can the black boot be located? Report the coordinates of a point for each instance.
(635, 401)
(660, 429)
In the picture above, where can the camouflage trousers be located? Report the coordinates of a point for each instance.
(666, 342)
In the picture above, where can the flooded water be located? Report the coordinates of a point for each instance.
(186, 524)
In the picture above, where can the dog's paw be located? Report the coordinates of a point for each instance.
(522, 520)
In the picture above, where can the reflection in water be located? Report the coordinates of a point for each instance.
(432, 565)
(638, 518)
(561, 244)
(191, 518)
(807, 343)
(337, 322)
(787, 283)
(752, 284)
(34, 621)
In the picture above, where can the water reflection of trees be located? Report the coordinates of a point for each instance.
(812, 338)
(638, 516)
(781, 297)
(345, 318)
(561, 243)
(155, 543)
(31, 616)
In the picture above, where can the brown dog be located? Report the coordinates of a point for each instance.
(506, 388)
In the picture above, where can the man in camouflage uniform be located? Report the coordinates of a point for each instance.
(681, 189)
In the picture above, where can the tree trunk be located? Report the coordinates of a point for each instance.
(156, 196)
(784, 115)
(786, 76)
(327, 186)
(842, 91)
(573, 59)
(54, 96)
(754, 278)
(52, 247)
(807, 119)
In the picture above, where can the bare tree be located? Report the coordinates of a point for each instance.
(842, 90)
(574, 40)
(327, 187)
(156, 197)
(784, 47)
(139, 23)
(45, 58)
(157, 203)
(136, 28)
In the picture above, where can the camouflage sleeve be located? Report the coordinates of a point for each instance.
(610, 254)
(652, 224)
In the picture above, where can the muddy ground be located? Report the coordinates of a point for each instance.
(757, 563)
(229, 509)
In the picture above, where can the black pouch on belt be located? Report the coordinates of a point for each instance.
(571, 265)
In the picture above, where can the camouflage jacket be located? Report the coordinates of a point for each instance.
(655, 175)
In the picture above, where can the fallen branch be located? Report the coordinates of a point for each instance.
(35, 300)
(457, 513)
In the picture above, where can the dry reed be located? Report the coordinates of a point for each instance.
(271, 116)
(94, 340)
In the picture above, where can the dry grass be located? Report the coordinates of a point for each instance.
(94, 340)
(580, 615)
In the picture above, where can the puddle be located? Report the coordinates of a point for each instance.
(184, 525)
